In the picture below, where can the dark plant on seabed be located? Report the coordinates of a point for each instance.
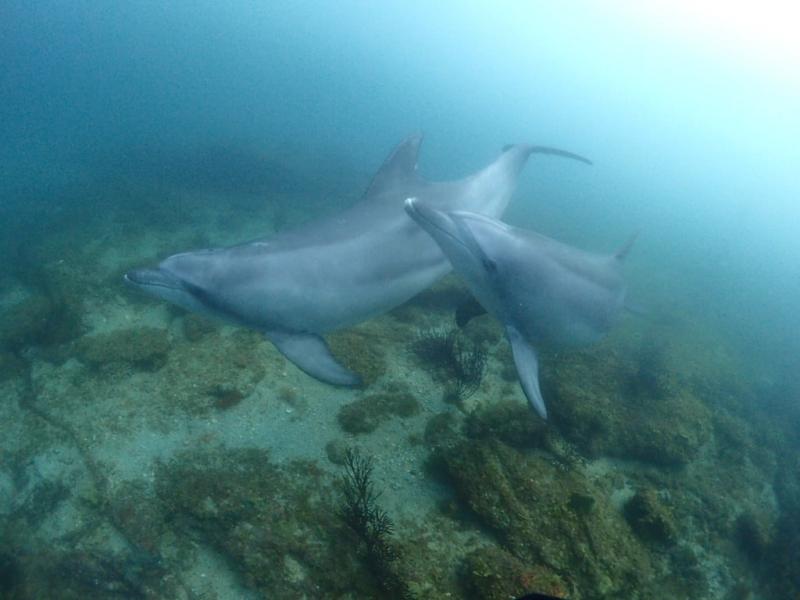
(459, 362)
(361, 512)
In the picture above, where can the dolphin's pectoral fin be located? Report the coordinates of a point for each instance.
(401, 165)
(310, 353)
(527, 369)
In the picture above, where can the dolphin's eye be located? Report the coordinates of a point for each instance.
(489, 265)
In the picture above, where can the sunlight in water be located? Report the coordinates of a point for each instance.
(762, 34)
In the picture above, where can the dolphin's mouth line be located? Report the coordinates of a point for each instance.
(150, 283)
(422, 217)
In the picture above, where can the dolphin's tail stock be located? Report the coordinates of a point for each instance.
(547, 150)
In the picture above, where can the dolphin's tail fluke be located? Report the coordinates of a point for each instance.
(552, 152)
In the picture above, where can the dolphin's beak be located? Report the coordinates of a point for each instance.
(435, 222)
(149, 278)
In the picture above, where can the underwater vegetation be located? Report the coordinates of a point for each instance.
(609, 402)
(277, 526)
(649, 518)
(360, 350)
(51, 315)
(454, 360)
(76, 575)
(141, 348)
(540, 515)
(366, 414)
(493, 573)
(371, 524)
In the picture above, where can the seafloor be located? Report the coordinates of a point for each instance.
(148, 453)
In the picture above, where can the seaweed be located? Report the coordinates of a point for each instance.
(366, 414)
(459, 363)
(371, 524)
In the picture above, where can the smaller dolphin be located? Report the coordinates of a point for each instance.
(540, 289)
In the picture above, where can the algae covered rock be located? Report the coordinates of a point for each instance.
(649, 518)
(607, 403)
(754, 533)
(74, 574)
(544, 515)
(38, 321)
(442, 430)
(365, 414)
(508, 421)
(25, 322)
(218, 371)
(336, 451)
(361, 351)
(137, 511)
(196, 326)
(493, 574)
(277, 527)
(144, 348)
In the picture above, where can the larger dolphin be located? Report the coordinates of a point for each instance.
(339, 270)
(540, 289)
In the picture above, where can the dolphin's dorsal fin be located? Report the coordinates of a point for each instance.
(527, 369)
(401, 165)
(622, 253)
(310, 353)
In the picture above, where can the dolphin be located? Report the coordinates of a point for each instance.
(540, 289)
(339, 270)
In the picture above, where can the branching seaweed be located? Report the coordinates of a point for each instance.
(460, 363)
(372, 525)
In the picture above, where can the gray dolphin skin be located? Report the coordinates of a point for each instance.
(540, 290)
(337, 271)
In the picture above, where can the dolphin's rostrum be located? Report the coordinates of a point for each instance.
(336, 271)
(540, 290)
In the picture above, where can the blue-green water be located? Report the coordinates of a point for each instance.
(147, 452)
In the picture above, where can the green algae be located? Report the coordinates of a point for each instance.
(601, 401)
(277, 527)
(144, 348)
(754, 533)
(491, 573)
(366, 414)
(216, 372)
(25, 322)
(79, 574)
(442, 430)
(135, 509)
(336, 451)
(361, 351)
(650, 518)
(196, 326)
(38, 321)
(529, 503)
(508, 421)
